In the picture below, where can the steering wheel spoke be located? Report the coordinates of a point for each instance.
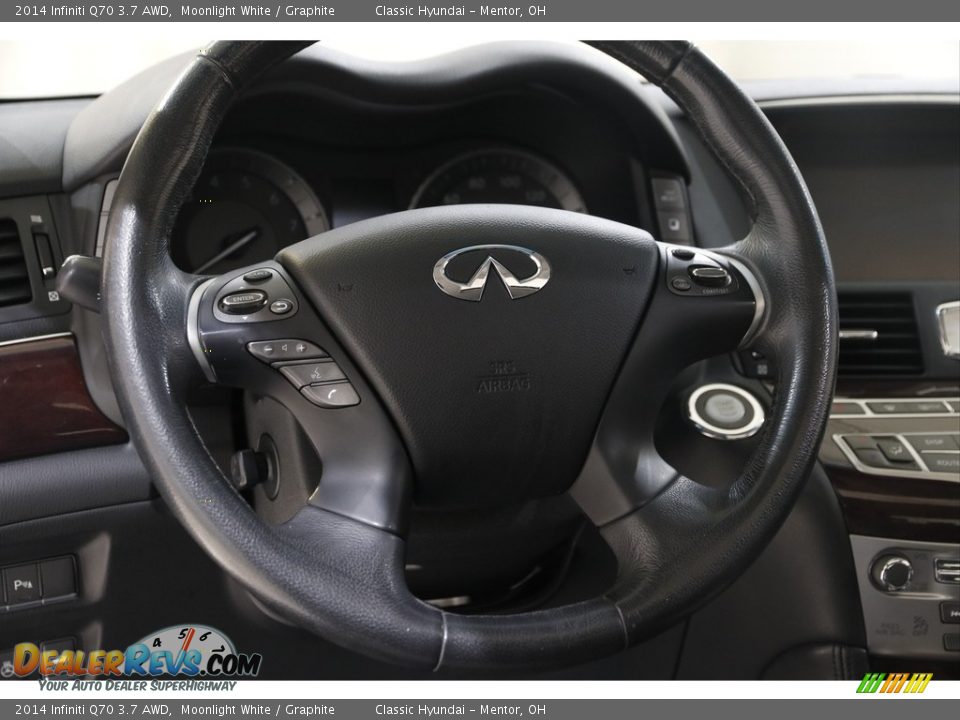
(252, 329)
(705, 303)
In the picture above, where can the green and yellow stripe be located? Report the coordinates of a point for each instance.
(894, 682)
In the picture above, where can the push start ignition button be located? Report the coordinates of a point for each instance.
(725, 412)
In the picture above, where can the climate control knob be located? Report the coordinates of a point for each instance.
(892, 572)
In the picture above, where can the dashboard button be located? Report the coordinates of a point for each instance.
(59, 646)
(894, 450)
(667, 194)
(333, 395)
(289, 349)
(258, 276)
(950, 612)
(58, 578)
(933, 443)
(861, 442)
(683, 254)
(951, 642)
(310, 373)
(871, 458)
(674, 226)
(21, 583)
(846, 408)
(681, 283)
(908, 407)
(942, 462)
(243, 303)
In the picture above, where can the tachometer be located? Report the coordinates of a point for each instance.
(499, 175)
(245, 207)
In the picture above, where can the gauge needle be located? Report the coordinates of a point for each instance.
(244, 240)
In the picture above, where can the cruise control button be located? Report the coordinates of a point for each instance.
(334, 395)
(950, 612)
(243, 303)
(933, 443)
(310, 373)
(258, 276)
(894, 450)
(942, 462)
(279, 350)
(21, 583)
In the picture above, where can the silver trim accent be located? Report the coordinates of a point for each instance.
(868, 413)
(883, 610)
(193, 330)
(754, 285)
(719, 433)
(472, 290)
(924, 474)
(949, 349)
(946, 571)
(35, 338)
(880, 98)
(867, 335)
(443, 641)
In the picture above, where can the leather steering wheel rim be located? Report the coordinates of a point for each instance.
(343, 578)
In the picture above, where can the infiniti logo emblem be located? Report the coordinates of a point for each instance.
(473, 288)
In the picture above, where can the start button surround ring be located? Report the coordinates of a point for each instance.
(725, 412)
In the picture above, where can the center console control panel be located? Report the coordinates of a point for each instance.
(899, 437)
(910, 593)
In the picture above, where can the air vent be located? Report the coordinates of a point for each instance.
(14, 279)
(878, 335)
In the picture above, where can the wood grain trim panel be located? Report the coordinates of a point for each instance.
(44, 403)
(907, 508)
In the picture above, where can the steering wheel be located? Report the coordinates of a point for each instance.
(476, 354)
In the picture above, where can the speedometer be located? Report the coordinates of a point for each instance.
(499, 175)
(244, 208)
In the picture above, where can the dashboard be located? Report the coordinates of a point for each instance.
(331, 162)
(326, 140)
